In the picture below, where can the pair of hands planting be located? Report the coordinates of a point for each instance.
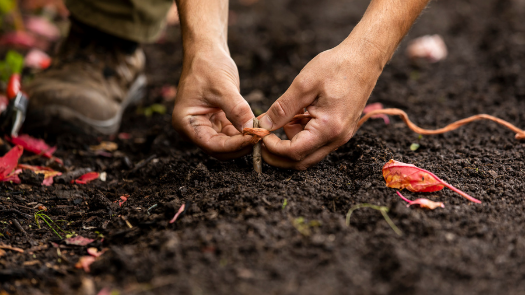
(333, 87)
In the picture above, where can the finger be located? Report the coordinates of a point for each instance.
(292, 129)
(300, 95)
(201, 132)
(236, 109)
(301, 145)
(222, 125)
(284, 162)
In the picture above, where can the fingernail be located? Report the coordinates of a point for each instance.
(248, 124)
(266, 123)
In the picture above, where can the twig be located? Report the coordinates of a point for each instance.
(141, 164)
(381, 209)
(67, 177)
(2, 246)
(520, 134)
(257, 159)
(21, 229)
(126, 221)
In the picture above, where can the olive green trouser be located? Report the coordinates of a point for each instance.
(136, 20)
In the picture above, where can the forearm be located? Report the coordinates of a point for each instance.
(204, 24)
(383, 26)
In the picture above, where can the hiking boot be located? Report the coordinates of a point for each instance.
(92, 79)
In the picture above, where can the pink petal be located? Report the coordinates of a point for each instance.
(429, 47)
(37, 59)
(94, 252)
(426, 203)
(181, 209)
(374, 107)
(79, 241)
(84, 262)
(168, 92)
(41, 26)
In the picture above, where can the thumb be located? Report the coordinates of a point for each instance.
(237, 110)
(287, 106)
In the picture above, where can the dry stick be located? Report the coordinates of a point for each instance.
(257, 158)
(520, 134)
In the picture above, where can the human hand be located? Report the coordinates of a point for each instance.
(209, 109)
(334, 88)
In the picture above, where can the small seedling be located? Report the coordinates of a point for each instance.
(285, 202)
(49, 221)
(381, 209)
(414, 147)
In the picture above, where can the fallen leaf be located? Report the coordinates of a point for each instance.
(429, 47)
(34, 145)
(79, 241)
(400, 175)
(18, 39)
(374, 107)
(124, 136)
(48, 172)
(181, 209)
(105, 145)
(424, 203)
(9, 162)
(37, 59)
(88, 177)
(84, 262)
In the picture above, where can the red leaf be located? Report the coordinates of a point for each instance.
(13, 86)
(400, 175)
(18, 39)
(424, 203)
(37, 146)
(79, 241)
(374, 107)
(9, 161)
(88, 177)
(181, 209)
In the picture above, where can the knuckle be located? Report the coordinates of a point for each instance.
(296, 156)
(280, 109)
(302, 84)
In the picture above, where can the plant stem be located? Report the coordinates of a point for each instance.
(257, 158)
(381, 209)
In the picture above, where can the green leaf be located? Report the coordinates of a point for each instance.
(6, 6)
(414, 147)
(13, 63)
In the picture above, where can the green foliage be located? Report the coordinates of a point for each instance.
(6, 6)
(12, 64)
(50, 223)
(154, 108)
(285, 202)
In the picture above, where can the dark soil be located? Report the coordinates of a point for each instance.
(238, 237)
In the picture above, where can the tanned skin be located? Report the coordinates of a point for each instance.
(333, 87)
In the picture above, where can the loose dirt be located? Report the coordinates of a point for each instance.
(284, 232)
